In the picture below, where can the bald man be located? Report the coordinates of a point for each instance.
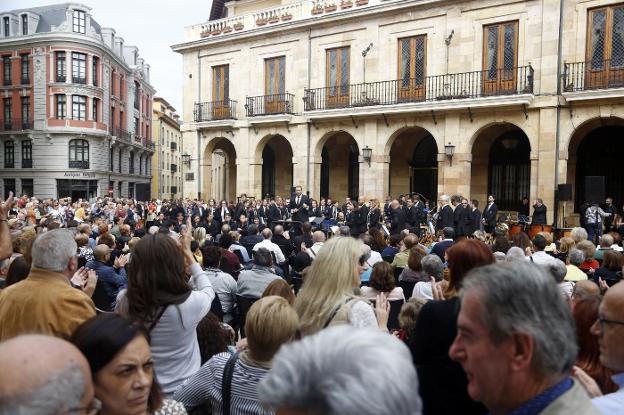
(583, 289)
(113, 279)
(34, 382)
(610, 331)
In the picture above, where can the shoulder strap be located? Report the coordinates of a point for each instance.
(226, 384)
(333, 314)
(157, 319)
(531, 258)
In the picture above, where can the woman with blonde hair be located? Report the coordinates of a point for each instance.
(566, 244)
(328, 297)
(199, 235)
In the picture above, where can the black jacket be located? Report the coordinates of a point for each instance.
(475, 220)
(539, 215)
(398, 220)
(445, 218)
(302, 212)
(489, 215)
(462, 220)
(357, 222)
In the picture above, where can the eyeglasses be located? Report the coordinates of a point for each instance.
(92, 409)
(604, 321)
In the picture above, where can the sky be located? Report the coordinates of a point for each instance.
(151, 25)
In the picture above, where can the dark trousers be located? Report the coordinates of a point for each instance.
(594, 232)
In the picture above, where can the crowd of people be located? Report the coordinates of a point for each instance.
(294, 306)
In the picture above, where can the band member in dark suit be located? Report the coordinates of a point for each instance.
(357, 220)
(445, 217)
(398, 218)
(539, 213)
(222, 211)
(419, 206)
(331, 212)
(462, 214)
(489, 215)
(299, 205)
(373, 217)
(475, 217)
(315, 210)
(274, 212)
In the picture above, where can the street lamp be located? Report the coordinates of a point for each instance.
(367, 154)
(449, 150)
(186, 159)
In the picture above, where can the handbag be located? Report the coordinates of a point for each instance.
(226, 384)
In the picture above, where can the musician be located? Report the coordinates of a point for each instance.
(340, 218)
(539, 213)
(609, 207)
(315, 210)
(411, 214)
(524, 207)
(489, 215)
(332, 210)
(221, 212)
(373, 217)
(398, 218)
(419, 206)
(274, 212)
(462, 215)
(445, 214)
(475, 216)
(299, 205)
(357, 220)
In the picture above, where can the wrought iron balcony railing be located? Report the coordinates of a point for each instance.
(79, 80)
(215, 110)
(79, 164)
(16, 124)
(269, 104)
(477, 84)
(122, 135)
(61, 78)
(595, 74)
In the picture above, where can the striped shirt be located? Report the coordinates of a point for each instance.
(205, 386)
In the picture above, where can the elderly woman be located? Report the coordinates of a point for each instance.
(382, 282)
(433, 267)
(414, 270)
(270, 323)
(327, 296)
(589, 249)
(565, 245)
(122, 367)
(575, 258)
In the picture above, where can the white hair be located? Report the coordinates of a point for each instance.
(330, 373)
(578, 234)
(53, 250)
(514, 254)
(60, 392)
(445, 198)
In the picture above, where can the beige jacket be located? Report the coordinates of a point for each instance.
(573, 402)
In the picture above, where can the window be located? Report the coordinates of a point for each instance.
(6, 23)
(7, 106)
(119, 160)
(131, 163)
(6, 70)
(137, 95)
(121, 90)
(412, 67)
(136, 127)
(9, 154)
(110, 159)
(605, 47)
(9, 186)
(500, 57)
(27, 187)
(25, 113)
(274, 76)
(61, 106)
(112, 82)
(95, 108)
(79, 107)
(94, 70)
(27, 154)
(221, 83)
(24, 24)
(337, 76)
(25, 69)
(121, 118)
(78, 154)
(79, 75)
(61, 68)
(79, 21)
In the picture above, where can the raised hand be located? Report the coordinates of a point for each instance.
(436, 290)
(382, 309)
(6, 206)
(90, 283)
(80, 277)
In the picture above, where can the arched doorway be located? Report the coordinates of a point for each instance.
(277, 167)
(414, 164)
(595, 150)
(501, 166)
(340, 167)
(219, 167)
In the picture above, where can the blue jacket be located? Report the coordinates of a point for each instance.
(112, 281)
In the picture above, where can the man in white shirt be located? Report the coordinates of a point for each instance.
(540, 257)
(272, 247)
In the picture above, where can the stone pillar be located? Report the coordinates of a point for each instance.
(315, 177)
(546, 160)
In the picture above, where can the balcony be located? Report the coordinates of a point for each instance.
(79, 164)
(593, 75)
(215, 110)
(122, 135)
(174, 168)
(138, 139)
(150, 145)
(79, 80)
(25, 81)
(61, 78)
(27, 163)
(269, 105)
(439, 88)
(16, 125)
(174, 146)
(174, 189)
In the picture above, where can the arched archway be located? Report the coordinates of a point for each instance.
(413, 163)
(277, 167)
(219, 170)
(340, 166)
(595, 149)
(501, 165)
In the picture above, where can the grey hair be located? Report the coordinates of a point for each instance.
(521, 297)
(61, 391)
(345, 231)
(606, 240)
(558, 270)
(576, 256)
(327, 373)
(432, 265)
(445, 198)
(53, 250)
(262, 257)
(515, 254)
(578, 234)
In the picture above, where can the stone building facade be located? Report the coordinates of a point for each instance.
(385, 97)
(167, 160)
(76, 107)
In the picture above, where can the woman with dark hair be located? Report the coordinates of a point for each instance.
(162, 297)
(382, 281)
(611, 269)
(501, 244)
(378, 243)
(443, 383)
(122, 367)
(585, 312)
(521, 240)
(18, 271)
(213, 337)
(414, 271)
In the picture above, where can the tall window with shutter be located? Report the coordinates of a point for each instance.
(337, 77)
(604, 67)
(221, 92)
(500, 58)
(274, 85)
(412, 68)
